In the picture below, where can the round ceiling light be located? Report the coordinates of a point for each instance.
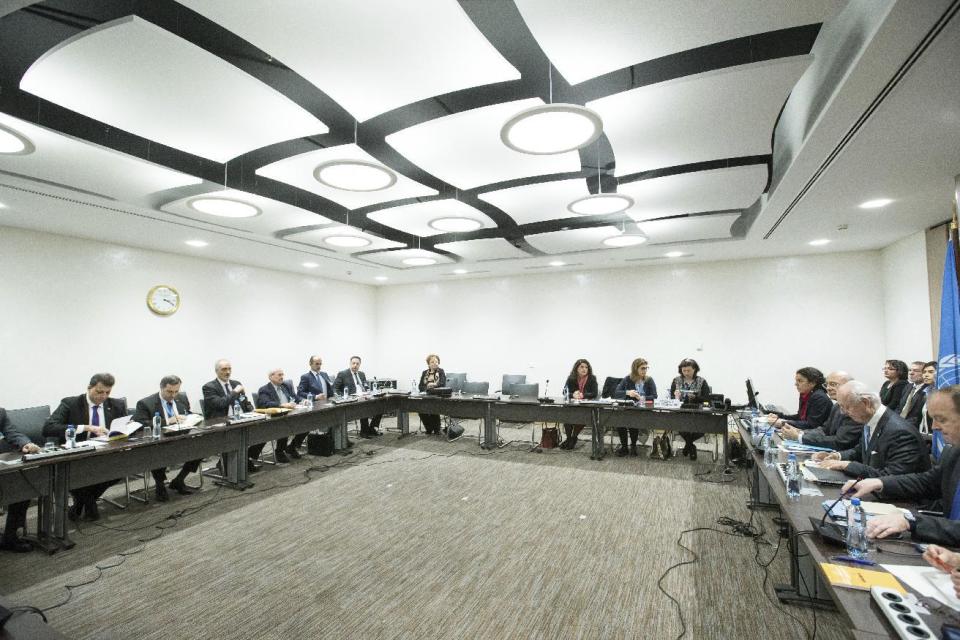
(13, 143)
(347, 241)
(223, 207)
(455, 224)
(600, 204)
(419, 262)
(875, 204)
(674, 254)
(625, 240)
(551, 128)
(355, 175)
(460, 272)
(196, 243)
(557, 263)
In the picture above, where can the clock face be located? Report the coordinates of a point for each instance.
(163, 300)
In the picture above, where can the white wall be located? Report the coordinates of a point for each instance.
(74, 307)
(758, 318)
(907, 299)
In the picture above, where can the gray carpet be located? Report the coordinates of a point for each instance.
(421, 538)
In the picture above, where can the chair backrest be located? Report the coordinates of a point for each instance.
(506, 386)
(526, 390)
(256, 398)
(609, 386)
(29, 422)
(455, 381)
(127, 411)
(476, 388)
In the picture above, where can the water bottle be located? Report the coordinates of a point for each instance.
(769, 451)
(414, 389)
(310, 400)
(156, 426)
(237, 411)
(71, 436)
(857, 543)
(566, 394)
(793, 477)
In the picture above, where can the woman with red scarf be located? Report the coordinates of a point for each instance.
(581, 385)
(815, 404)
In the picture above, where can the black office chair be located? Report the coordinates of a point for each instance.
(476, 388)
(456, 381)
(30, 421)
(609, 386)
(526, 391)
(506, 385)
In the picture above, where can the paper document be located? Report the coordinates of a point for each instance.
(120, 428)
(926, 581)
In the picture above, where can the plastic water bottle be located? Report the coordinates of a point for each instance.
(566, 394)
(237, 411)
(857, 543)
(156, 426)
(71, 436)
(793, 477)
(769, 451)
(414, 389)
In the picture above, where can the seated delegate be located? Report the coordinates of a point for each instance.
(635, 385)
(581, 384)
(814, 406)
(690, 388)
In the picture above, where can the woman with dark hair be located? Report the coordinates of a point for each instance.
(690, 388)
(815, 404)
(581, 385)
(633, 386)
(432, 376)
(895, 371)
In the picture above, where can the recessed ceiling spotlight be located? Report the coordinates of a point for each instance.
(196, 243)
(455, 224)
(2, 206)
(355, 175)
(674, 254)
(875, 204)
(419, 262)
(380, 278)
(223, 207)
(460, 272)
(819, 242)
(557, 263)
(347, 241)
(14, 143)
(551, 128)
(625, 240)
(311, 265)
(600, 204)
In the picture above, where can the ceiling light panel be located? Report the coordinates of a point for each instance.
(483, 249)
(719, 114)
(465, 150)
(588, 39)
(688, 229)
(538, 202)
(274, 215)
(572, 239)
(131, 74)
(316, 238)
(63, 160)
(298, 171)
(415, 218)
(396, 258)
(414, 50)
(716, 190)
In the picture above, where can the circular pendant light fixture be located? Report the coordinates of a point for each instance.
(419, 262)
(455, 224)
(355, 175)
(13, 143)
(549, 129)
(347, 241)
(601, 204)
(223, 207)
(625, 240)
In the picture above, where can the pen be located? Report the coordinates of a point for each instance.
(864, 562)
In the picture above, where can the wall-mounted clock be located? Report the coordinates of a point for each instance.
(163, 300)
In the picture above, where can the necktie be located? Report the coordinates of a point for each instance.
(356, 382)
(227, 389)
(908, 403)
(937, 451)
(866, 444)
(170, 412)
(282, 394)
(95, 416)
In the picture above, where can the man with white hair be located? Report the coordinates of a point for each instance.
(839, 432)
(887, 446)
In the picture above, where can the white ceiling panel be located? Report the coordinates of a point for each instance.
(133, 75)
(298, 172)
(588, 39)
(537, 202)
(719, 114)
(64, 160)
(715, 190)
(464, 149)
(316, 237)
(573, 239)
(396, 258)
(416, 218)
(483, 249)
(409, 50)
(273, 216)
(712, 227)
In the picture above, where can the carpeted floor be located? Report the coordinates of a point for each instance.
(421, 538)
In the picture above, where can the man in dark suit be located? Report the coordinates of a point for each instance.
(839, 432)
(219, 395)
(173, 407)
(91, 413)
(911, 405)
(318, 383)
(942, 481)
(353, 381)
(279, 393)
(13, 440)
(888, 445)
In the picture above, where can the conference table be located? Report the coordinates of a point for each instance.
(808, 584)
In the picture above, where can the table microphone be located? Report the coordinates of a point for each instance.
(823, 520)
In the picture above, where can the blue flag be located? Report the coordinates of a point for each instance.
(948, 360)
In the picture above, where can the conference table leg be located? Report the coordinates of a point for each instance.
(489, 429)
(596, 436)
(61, 501)
(403, 422)
(806, 589)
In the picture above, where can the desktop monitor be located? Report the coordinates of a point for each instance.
(751, 395)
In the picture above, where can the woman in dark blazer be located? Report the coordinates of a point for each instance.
(891, 393)
(432, 376)
(637, 384)
(691, 389)
(581, 385)
(815, 404)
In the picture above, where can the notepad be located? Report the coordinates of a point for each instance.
(120, 428)
(859, 578)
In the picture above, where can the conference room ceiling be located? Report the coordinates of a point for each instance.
(140, 119)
